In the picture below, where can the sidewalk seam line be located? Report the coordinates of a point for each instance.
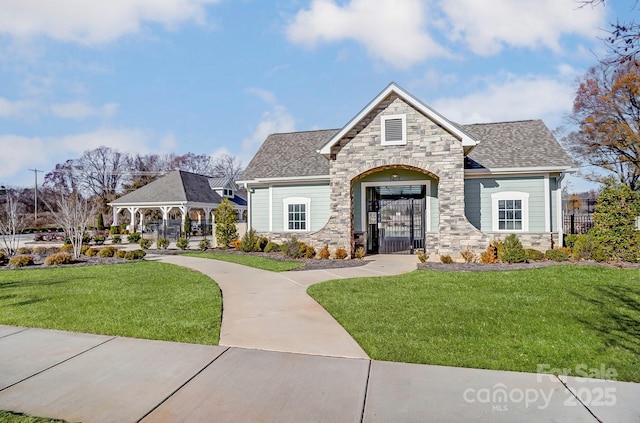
(61, 362)
(366, 392)
(182, 386)
(578, 399)
(14, 333)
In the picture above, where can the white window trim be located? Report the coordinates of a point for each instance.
(510, 195)
(383, 121)
(296, 200)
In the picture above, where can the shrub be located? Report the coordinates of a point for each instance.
(293, 248)
(24, 250)
(120, 253)
(204, 244)
(182, 243)
(91, 252)
(115, 230)
(145, 243)
(324, 253)
(134, 237)
(235, 244)
(309, 252)
(533, 254)
(66, 248)
(21, 260)
(86, 238)
(57, 259)
(570, 240)
(467, 255)
(100, 223)
(226, 218)
(135, 255)
(3, 257)
(446, 259)
(341, 254)
(512, 252)
(499, 247)
(272, 247)
(556, 255)
(360, 253)
(116, 239)
(490, 255)
(261, 244)
(422, 256)
(67, 240)
(586, 247)
(107, 251)
(249, 241)
(99, 239)
(162, 243)
(84, 248)
(45, 251)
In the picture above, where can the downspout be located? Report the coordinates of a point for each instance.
(560, 212)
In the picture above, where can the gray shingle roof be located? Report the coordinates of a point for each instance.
(516, 144)
(527, 143)
(176, 186)
(290, 155)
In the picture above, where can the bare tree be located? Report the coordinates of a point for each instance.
(12, 222)
(195, 163)
(227, 166)
(101, 172)
(73, 213)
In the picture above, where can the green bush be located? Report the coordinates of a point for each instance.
(99, 239)
(556, 255)
(145, 243)
(91, 252)
(293, 248)
(115, 230)
(120, 253)
(261, 244)
(446, 259)
(587, 247)
(57, 259)
(249, 240)
(134, 237)
(272, 247)
(100, 223)
(135, 255)
(182, 243)
(162, 243)
(512, 250)
(570, 239)
(341, 254)
(533, 254)
(86, 238)
(204, 244)
(21, 260)
(116, 239)
(226, 219)
(107, 251)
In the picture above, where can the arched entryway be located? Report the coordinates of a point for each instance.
(394, 208)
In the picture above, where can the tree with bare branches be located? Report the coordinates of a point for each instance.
(73, 213)
(227, 166)
(12, 222)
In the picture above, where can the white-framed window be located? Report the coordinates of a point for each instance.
(297, 214)
(510, 211)
(393, 129)
(228, 193)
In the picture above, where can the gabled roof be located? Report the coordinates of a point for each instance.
(520, 144)
(290, 155)
(175, 187)
(466, 139)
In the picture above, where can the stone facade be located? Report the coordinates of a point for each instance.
(430, 149)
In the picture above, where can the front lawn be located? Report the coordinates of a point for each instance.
(264, 263)
(564, 317)
(141, 300)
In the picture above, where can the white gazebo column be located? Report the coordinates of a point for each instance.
(116, 211)
(184, 210)
(207, 218)
(141, 213)
(132, 212)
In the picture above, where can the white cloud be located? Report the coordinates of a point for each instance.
(81, 110)
(512, 98)
(489, 25)
(394, 32)
(18, 108)
(95, 21)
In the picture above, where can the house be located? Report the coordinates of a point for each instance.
(399, 176)
(182, 192)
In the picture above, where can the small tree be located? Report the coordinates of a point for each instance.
(513, 252)
(12, 222)
(615, 221)
(100, 225)
(72, 213)
(226, 219)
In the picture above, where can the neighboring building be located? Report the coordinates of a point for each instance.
(180, 192)
(400, 176)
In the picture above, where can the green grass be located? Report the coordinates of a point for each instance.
(142, 300)
(562, 317)
(6, 417)
(258, 262)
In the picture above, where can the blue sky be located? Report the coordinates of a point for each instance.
(217, 76)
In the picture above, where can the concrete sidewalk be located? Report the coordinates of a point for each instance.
(94, 378)
(272, 311)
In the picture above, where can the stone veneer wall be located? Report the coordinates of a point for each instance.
(430, 149)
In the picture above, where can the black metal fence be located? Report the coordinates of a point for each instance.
(577, 223)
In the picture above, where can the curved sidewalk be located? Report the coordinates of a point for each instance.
(272, 311)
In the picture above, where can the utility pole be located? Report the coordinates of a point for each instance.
(35, 197)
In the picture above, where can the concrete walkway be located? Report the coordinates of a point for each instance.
(95, 378)
(272, 311)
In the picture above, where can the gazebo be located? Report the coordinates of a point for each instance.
(181, 190)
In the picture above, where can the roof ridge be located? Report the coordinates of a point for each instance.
(500, 122)
(305, 132)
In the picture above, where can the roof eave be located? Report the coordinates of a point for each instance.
(519, 170)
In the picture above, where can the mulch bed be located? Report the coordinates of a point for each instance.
(479, 267)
